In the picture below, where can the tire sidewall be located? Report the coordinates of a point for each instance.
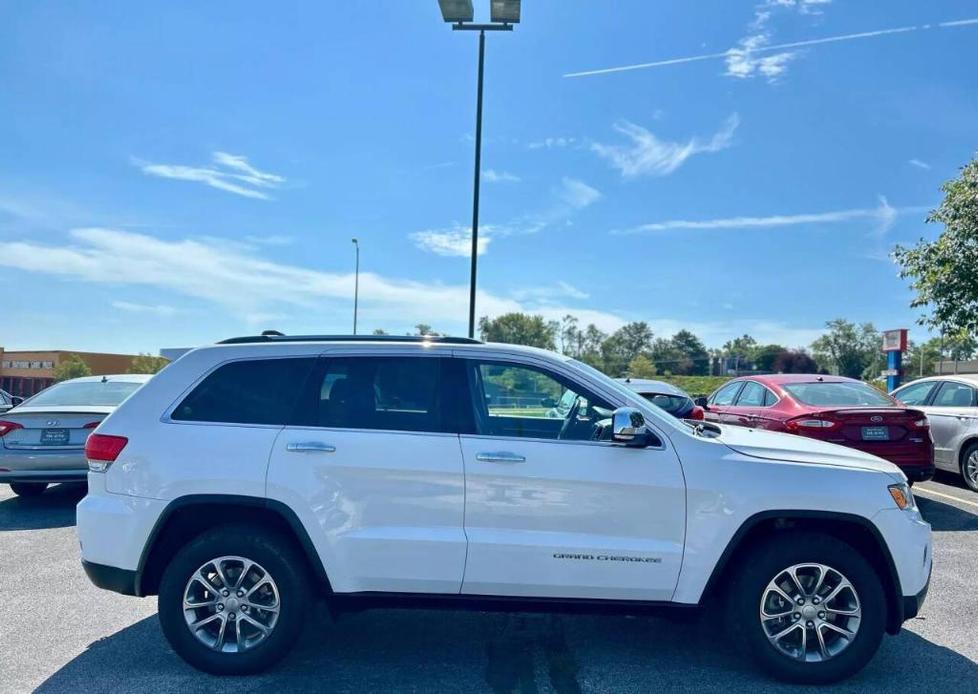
(964, 459)
(773, 557)
(277, 556)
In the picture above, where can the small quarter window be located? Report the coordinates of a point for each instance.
(260, 391)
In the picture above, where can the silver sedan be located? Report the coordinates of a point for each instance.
(43, 439)
(951, 406)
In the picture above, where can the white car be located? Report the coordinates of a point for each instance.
(250, 476)
(951, 406)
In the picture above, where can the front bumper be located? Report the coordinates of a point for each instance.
(913, 603)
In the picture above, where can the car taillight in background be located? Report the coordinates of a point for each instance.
(808, 425)
(696, 413)
(7, 427)
(102, 450)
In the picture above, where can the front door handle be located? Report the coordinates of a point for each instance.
(500, 457)
(310, 447)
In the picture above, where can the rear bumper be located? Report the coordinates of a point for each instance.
(111, 577)
(49, 476)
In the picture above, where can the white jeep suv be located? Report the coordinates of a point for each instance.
(252, 475)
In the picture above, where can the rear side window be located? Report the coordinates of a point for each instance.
(752, 395)
(380, 393)
(955, 395)
(260, 391)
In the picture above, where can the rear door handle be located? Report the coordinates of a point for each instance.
(309, 447)
(500, 457)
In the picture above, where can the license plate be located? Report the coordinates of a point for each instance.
(876, 434)
(54, 437)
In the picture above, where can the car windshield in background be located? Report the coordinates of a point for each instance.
(837, 395)
(107, 393)
(670, 403)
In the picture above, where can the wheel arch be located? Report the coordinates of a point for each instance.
(189, 516)
(857, 531)
(968, 441)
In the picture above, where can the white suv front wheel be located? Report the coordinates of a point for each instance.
(807, 607)
(233, 600)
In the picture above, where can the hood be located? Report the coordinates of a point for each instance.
(771, 445)
(63, 409)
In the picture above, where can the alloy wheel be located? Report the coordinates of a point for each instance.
(971, 469)
(810, 612)
(231, 604)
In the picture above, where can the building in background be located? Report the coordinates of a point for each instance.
(25, 373)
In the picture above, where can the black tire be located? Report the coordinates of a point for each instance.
(772, 556)
(278, 555)
(28, 488)
(965, 454)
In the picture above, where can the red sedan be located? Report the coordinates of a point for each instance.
(830, 408)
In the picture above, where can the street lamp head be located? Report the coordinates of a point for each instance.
(454, 11)
(354, 240)
(505, 11)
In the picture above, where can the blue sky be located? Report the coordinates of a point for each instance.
(176, 175)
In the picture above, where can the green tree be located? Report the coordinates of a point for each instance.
(147, 364)
(424, 329)
(624, 345)
(71, 366)
(591, 340)
(519, 329)
(379, 331)
(694, 355)
(851, 350)
(641, 367)
(943, 272)
(742, 347)
(667, 359)
(791, 361)
(765, 356)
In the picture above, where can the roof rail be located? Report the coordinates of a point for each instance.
(275, 336)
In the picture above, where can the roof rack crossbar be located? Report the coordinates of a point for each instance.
(267, 336)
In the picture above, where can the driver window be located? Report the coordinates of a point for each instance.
(521, 401)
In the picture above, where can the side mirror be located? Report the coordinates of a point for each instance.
(701, 402)
(548, 402)
(628, 427)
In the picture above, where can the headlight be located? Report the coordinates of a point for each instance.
(903, 497)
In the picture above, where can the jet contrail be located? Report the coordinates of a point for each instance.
(778, 47)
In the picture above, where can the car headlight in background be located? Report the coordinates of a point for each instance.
(903, 497)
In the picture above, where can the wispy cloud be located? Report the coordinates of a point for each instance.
(774, 47)
(919, 164)
(884, 214)
(228, 172)
(269, 239)
(253, 288)
(553, 143)
(560, 290)
(159, 310)
(647, 154)
(569, 197)
(493, 176)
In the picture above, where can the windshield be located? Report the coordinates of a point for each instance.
(837, 395)
(630, 395)
(80, 393)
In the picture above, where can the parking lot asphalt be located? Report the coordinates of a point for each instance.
(58, 633)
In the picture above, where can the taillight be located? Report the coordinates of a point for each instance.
(696, 413)
(102, 450)
(922, 423)
(808, 423)
(7, 427)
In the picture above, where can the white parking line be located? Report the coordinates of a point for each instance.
(923, 490)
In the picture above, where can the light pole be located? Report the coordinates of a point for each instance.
(503, 14)
(356, 285)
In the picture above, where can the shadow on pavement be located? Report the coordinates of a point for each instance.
(943, 517)
(55, 508)
(390, 650)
